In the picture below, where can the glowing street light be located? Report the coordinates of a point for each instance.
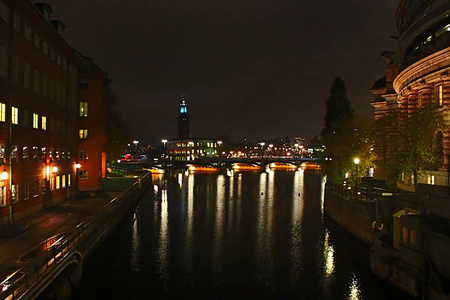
(356, 161)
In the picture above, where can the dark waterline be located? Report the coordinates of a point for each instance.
(250, 235)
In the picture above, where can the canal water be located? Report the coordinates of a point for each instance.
(242, 235)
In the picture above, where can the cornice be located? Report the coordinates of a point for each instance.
(425, 69)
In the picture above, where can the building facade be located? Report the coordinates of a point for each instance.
(39, 110)
(93, 85)
(187, 148)
(418, 73)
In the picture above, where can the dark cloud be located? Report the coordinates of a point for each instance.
(260, 69)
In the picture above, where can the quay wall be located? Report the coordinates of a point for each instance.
(354, 216)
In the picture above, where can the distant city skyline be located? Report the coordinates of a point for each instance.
(257, 70)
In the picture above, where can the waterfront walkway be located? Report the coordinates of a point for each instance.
(16, 241)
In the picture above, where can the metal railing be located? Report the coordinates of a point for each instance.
(21, 281)
(359, 193)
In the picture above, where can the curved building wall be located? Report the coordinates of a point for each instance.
(422, 59)
(424, 28)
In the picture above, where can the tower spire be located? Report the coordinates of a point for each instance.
(183, 120)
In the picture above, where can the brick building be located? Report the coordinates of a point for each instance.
(418, 74)
(39, 109)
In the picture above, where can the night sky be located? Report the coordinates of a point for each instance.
(256, 69)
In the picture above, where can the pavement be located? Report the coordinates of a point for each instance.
(18, 241)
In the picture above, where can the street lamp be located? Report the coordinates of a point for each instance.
(136, 145)
(164, 141)
(356, 161)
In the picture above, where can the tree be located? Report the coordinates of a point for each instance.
(117, 129)
(338, 108)
(350, 140)
(344, 136)
(412, 142)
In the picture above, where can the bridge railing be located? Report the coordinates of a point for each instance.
(21, 281)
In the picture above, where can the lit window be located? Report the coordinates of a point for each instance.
(58, 182)
(63, 181)
(69, 178)
(15, 115)
(44, 123)
(83, 133)
(35, 121)
(440, 95)
(52, 183)
(2, 112)
(431, 179)
(83, 109)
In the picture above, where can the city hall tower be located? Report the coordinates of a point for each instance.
(183, 121)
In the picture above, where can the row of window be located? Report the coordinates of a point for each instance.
(37, 122)
(31, 189)
(35, 38)
(439, 96)
(34, 79)
(199, 144)
(35, 153)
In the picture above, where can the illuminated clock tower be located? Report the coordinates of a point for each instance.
(183, 121)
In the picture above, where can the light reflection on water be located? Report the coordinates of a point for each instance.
(246, 235)
(297, 215)
(164, 238)
(354, 289)
(328, 253)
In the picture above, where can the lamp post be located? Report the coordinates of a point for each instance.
(136, 145)
(356, 161)
(164, 141)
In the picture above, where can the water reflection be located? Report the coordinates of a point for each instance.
(354, 289)
(328, 253)
(297, 215)
(135, 246)
(189, 233)
(219, 226)
(265, 220)
(164, 242)
(253, 235)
